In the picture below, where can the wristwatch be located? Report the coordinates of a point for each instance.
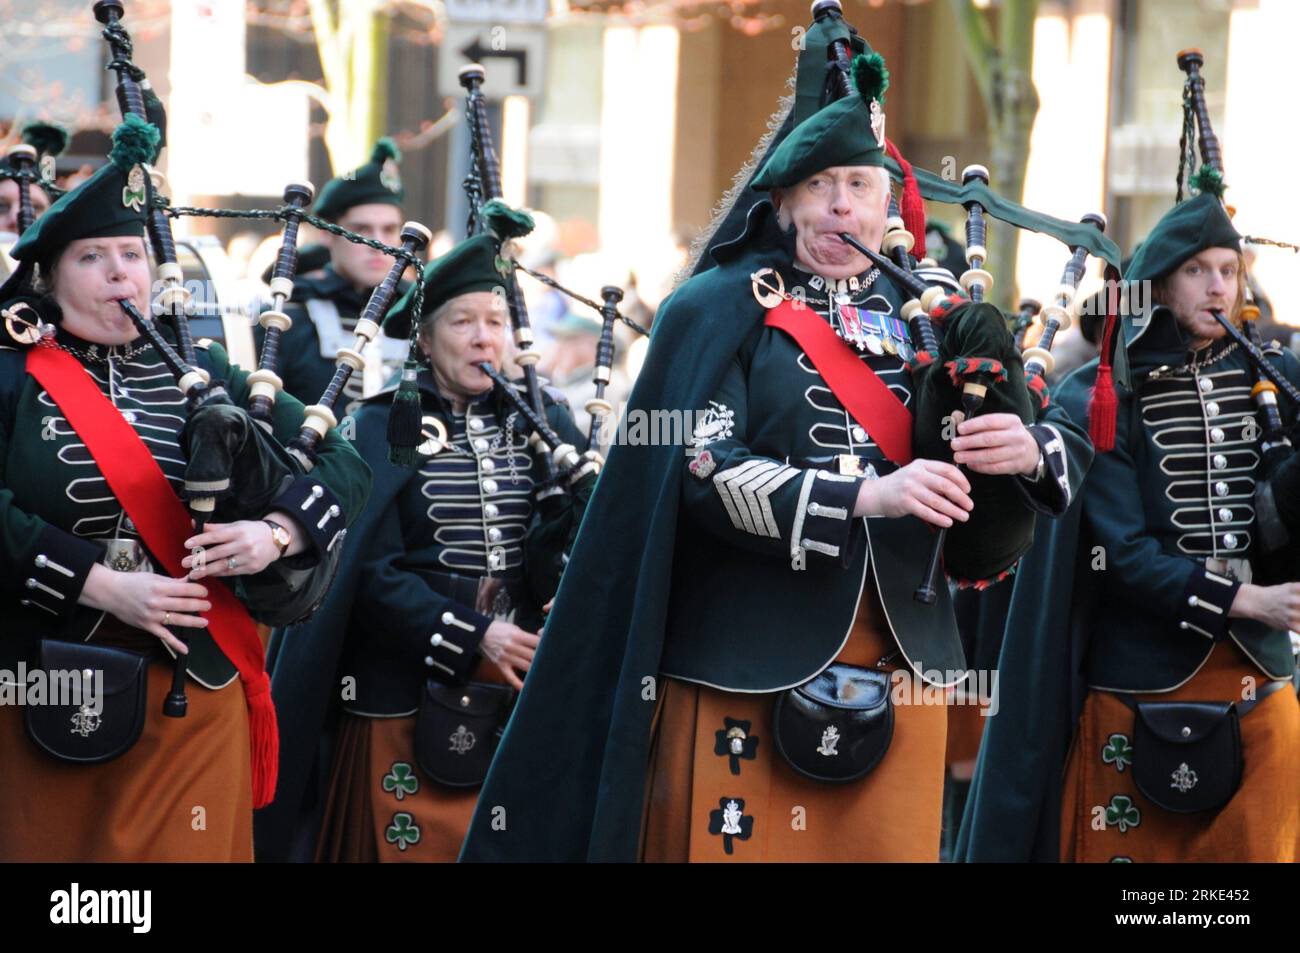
(280, 535)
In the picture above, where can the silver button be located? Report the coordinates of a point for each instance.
(129, 416)
(859, 434)
(1205, 384)
(1192, 601)
(1212, 409)
(480, 444)
(40, 561)
(476, 424)
(1186, 732)
(87, 673)
(435, 639)
(497, 558)
(1221, 488)
(488, 465)
(1183, 625)
(814, 509)
(1220, 461)
(448, 618)
(317, 491)
(1225, 515)
(489, 486)
(428, 660)
(491, 511)
(494, 535)
(31, 583)
(1216, 434)
(1230, 540)
(464, 701)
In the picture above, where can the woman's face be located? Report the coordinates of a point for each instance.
(91, 277)
(470, 330)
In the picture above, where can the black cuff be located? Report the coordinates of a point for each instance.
(1206, 599)
(1050, 494)
(451, 651)
(316, 510)
(823, 519)
(58, 569)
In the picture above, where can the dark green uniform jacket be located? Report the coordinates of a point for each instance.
(710, 592)
(400, 612)
(55, 506)
(1116, 594)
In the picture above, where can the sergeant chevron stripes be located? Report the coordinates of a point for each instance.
(744, 490)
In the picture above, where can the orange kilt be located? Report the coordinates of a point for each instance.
(183, 792)
(893, 814)
(381, 807)
(1105, 818)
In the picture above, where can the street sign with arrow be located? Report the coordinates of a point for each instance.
(513, 56)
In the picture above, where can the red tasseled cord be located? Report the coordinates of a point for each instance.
(911, 206)
(1104, 405)
(264, 739)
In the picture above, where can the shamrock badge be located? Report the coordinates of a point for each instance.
(1117, 752)
(403, 832)
(401, 780)
(731, 822)
(1123, 813)
(134, 193)
(735, 742)
(389, 177)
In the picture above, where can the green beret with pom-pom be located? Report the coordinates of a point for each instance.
(378, 182)
(836, 135)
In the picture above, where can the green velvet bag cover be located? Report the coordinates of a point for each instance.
(1001, 527)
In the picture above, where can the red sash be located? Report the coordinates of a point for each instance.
(855, 385)
(164, 524)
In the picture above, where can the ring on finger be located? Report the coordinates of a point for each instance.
(166, 618)
(231, 562)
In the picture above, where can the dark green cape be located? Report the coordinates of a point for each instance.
(570, 768)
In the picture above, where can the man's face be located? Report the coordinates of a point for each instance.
(471, 330)
(1206, 281)
(853, 199)
(362, 266)
(9, 204)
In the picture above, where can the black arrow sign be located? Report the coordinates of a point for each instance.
(476, 52)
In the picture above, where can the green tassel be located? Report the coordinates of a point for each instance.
(506, 222)
(404, 434)
(870, 76)
(1208, 179)
(385, 149)
(46, 138)
(134, 141)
